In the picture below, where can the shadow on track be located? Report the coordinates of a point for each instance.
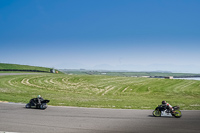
(161, 116)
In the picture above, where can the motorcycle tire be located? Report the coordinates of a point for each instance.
(28, 105)
(177, 114)
(156, 113)
(43, 107)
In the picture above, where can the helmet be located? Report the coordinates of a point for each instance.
(38, 96)
(164, 102)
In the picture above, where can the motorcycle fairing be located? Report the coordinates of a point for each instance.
(164, 113)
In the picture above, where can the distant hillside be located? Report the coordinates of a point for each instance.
(159, 74)
(26, 68)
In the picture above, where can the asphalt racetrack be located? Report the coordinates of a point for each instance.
(16, 118)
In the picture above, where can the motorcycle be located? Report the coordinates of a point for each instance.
(162, 111)
(36, 105)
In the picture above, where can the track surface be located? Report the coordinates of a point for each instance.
(16, 118)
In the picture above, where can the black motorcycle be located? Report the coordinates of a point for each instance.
(34, 104)
(162, 111)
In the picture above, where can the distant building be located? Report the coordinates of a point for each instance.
(52, 70)
(145, 76)
(142, 76)
(103, 73)
(169, 77)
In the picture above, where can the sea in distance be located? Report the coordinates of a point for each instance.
(189, 78)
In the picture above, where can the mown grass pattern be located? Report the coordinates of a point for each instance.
(101, 91)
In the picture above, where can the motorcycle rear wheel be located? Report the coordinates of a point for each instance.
(43, 106)
(156, 113)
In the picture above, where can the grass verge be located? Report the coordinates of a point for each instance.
(101, 91)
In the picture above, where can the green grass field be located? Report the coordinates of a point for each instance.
(13, 68)
(100, 91)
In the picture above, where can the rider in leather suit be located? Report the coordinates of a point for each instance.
(39, 99)
(167, 106)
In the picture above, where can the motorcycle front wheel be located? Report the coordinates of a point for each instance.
(156, 113)
(177, 114)
(28, 105)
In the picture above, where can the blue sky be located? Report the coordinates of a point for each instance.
(137, 35)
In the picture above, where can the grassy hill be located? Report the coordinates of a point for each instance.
(22, 68)
(129, 74)
(100, 91)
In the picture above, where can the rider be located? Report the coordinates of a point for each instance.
(167, 106)
(39, 99)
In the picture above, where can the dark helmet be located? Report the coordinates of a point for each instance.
(164, 102)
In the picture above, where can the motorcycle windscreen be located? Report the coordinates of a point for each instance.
(45, 101)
